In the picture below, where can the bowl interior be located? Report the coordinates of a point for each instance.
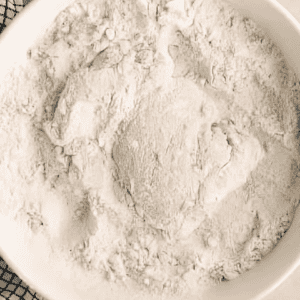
(31, 258)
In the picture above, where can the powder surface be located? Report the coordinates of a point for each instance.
(153, 142)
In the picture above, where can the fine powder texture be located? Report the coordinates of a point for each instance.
(154, 142)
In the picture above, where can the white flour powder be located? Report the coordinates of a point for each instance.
(155, 142)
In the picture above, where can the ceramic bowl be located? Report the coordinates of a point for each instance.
(50, 275)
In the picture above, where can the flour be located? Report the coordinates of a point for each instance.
(153, 142)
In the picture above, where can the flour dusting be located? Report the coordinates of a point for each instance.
(153, 142)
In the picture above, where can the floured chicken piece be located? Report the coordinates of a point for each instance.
(174, 151)
(154, 143)
(86, 107)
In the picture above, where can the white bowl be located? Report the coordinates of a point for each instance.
(31, 258)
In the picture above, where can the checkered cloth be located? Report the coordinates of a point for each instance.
(8, 10)
(11, 286)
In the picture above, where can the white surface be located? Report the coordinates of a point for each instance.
(32, 258)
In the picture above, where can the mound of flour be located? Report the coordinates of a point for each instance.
(154, 143)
